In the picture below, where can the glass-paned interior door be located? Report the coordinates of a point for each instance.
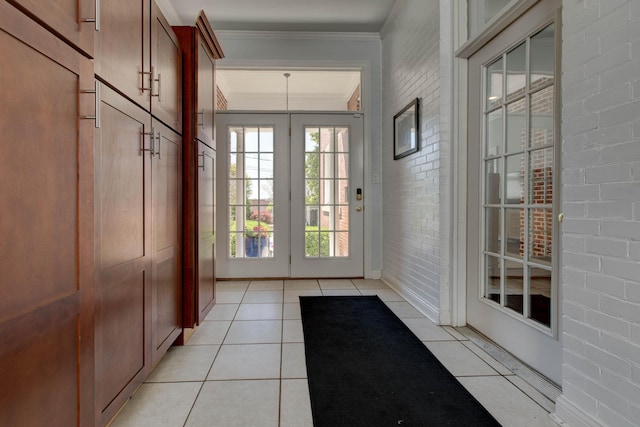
(519, 175)
(512, 196)
(326, 196)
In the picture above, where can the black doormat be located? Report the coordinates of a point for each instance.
(366, 368)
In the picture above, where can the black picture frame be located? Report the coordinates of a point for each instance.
(406, 130)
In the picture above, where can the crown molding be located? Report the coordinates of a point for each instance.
(298, 35)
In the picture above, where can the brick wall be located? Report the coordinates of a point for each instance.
(601, 204)
(221, 101)
(354, 102)
(411, 185)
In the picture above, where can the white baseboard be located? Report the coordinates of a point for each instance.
(567, 414)
(430, 311)
(374, 274)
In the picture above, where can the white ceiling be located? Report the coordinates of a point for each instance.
(284, 15)
(358, 16)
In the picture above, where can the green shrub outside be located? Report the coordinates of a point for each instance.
(311, 240)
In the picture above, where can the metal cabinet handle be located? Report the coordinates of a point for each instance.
(142, 87)
(96, 92)
(151, 142)
(95, 20)
(198, 122)
(159, 139)
(159, 80)
(203, 161)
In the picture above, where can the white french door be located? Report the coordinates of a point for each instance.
(293, 187)
(326, 195)
(513, 182)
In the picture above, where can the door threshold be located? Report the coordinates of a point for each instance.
(535, 379)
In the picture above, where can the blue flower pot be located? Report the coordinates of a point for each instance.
(255, 247)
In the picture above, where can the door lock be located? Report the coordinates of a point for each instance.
(359, 208)
(359, 194)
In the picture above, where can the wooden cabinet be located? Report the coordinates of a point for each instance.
(166, 218)
(138, 181)
(166, 72)
(138, 54)
(46, 224)
(137, 253)
(90, 207)
(75, 21)
(122, 48)
(200, 51)
(123, 269)
(206, 278)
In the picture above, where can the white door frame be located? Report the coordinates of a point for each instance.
(287, 262)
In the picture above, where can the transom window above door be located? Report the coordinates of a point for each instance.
(288, 90)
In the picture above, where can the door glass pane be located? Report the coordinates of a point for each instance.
(493, 221)
(514, 286)
(542, 57)
(515, 179)
(516, 72)
(493, 273)
(541, 177)
(516, 126)
(514, 230)
(541, 236)
(494, 133)
(540, 298)
(342, 244)
(541, 117)
(326, 191)
(342, 140)
(251, 185)
(494, 84)
(493, 181)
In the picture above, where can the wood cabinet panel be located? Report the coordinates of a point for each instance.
(39, 362)
(65, 17)
(206, 230)
(121, 345)
(167, 216)
(205, 107)
(200, 49)
(122, 48)
(166, 62)
(122, 251)
(46, 220)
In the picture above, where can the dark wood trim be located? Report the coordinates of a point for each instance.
(207, 33)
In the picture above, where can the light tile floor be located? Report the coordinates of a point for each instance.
(245, 365)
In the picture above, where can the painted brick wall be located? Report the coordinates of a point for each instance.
(411, 185)
(601, 204)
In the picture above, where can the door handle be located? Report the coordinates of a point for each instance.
(359, 208)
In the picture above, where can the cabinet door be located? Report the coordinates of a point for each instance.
(122, 48)
(46, 224)
(166, 61)
(205, 96)
(206, 230)
(166, 208)
(69, 18)
(122, 248)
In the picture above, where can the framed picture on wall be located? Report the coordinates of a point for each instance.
(406, 130)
